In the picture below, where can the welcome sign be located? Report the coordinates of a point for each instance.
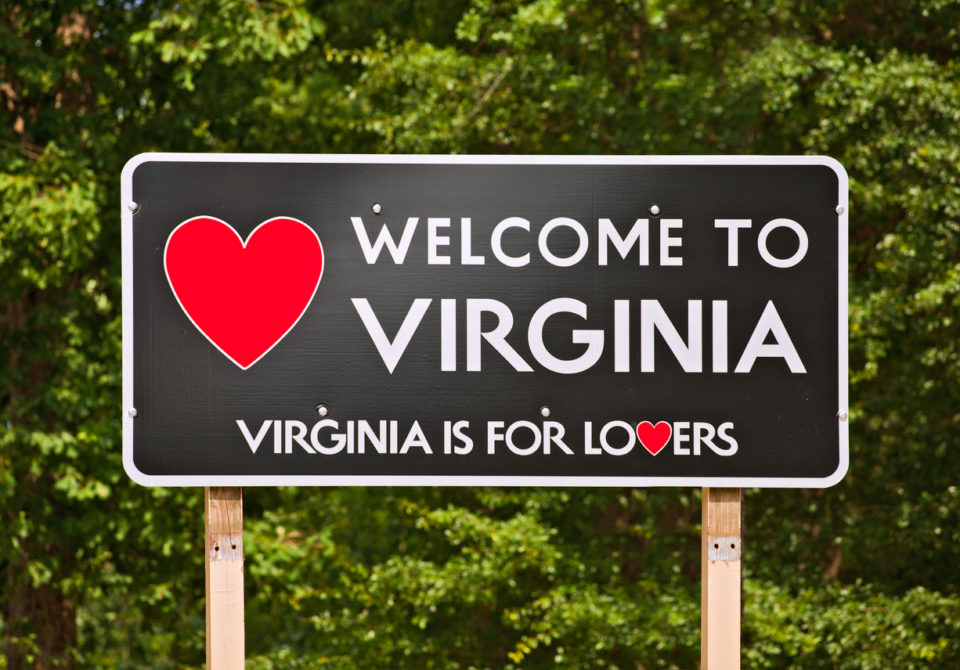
(484, 320)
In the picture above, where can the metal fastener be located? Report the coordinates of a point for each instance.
(842, 415)
(133, 206)
(377, 208)
(132, 412)
(227, 548)
(655, 209)
(724, 548)
(544, 411)
(840, 209)
(322, 410)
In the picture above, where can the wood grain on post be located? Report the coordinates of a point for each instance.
(224, 572)
(721, 556)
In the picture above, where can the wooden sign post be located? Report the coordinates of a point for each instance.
(223, 512)
(721, 553)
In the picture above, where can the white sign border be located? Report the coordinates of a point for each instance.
(129, 412)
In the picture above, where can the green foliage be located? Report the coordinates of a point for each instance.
(850, 627)
(498, 579)
(862, 575)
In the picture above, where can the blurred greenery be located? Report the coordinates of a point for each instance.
(98, 572)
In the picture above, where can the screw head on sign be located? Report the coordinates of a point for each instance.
(839, 209)
(655, 209)
(132, 412)
(133, 206)
(842, 415)
(544, 411)
(322, 410)
(377, 208)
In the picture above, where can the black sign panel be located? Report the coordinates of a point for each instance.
(628, 321)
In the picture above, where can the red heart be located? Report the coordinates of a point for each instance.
(244, 296)
(654, 438)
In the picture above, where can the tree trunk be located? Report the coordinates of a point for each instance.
(50, 618)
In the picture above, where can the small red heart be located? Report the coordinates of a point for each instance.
(244, 296)
(654, 437)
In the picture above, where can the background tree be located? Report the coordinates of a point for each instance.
(98, 572)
